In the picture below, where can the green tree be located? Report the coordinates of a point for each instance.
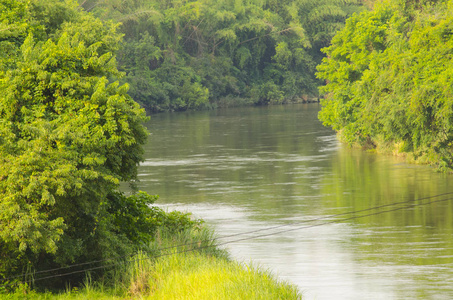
(68, 136)
(388, 80)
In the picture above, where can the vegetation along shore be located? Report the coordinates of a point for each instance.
(389, 81)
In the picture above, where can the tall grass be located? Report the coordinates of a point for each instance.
(196, 276)
(197, 270)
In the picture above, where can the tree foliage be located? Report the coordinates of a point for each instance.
(202, 51)
(388, 76)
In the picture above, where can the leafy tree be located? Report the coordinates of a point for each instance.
(68, 136)
(388, 75)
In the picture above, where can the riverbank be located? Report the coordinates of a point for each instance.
(168, 271)
(401, 149)
(230, 101)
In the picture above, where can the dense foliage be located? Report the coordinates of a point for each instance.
(189, 54)
(389, 76)
(69, 133)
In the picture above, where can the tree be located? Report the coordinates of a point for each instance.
(68, 136)
(388, 78)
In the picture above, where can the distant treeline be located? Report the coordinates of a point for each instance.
(389, 77)
(187, 54)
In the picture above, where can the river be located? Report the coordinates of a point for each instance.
(276, 171)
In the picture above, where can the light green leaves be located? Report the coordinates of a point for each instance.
(389, 75)
(68, 135)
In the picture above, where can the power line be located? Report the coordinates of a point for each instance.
(237, 234)
(337, 221)
(247, 238)
(334, 215)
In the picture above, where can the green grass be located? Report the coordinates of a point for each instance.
(206, 273)
(195, 276)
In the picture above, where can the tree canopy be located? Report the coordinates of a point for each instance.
(190, 54)
(69, 133)
(389, 80)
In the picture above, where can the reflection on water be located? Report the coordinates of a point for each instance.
(250, 169)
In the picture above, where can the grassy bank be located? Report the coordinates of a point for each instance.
(198, 270)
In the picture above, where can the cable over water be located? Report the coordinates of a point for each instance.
(295, 226)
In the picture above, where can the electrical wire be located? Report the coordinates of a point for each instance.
(243, 239)
(234, 235)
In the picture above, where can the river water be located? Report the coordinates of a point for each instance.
(278, 173)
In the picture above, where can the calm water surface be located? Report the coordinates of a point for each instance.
(249, 169)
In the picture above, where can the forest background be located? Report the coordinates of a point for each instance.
(179, 55)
